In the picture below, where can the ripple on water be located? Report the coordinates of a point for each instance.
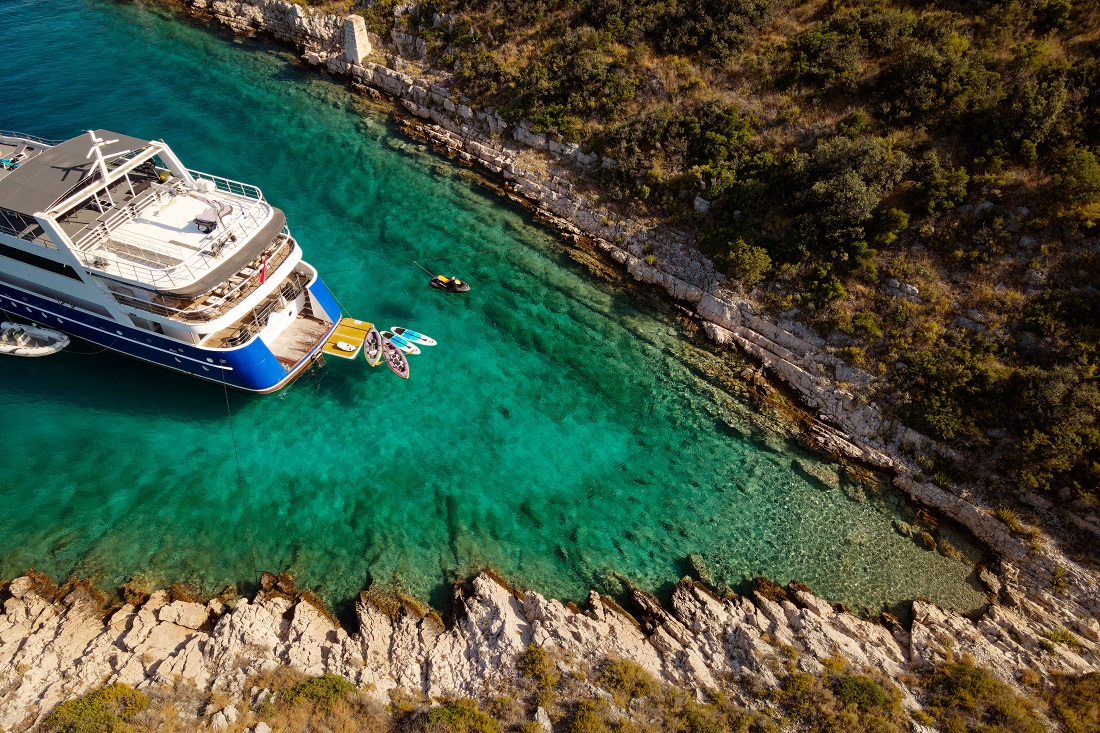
(563, 431)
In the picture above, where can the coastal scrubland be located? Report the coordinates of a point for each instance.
(617, 696)
(917, 181)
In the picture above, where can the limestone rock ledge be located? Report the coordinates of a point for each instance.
(52, 651)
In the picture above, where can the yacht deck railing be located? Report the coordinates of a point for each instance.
(225, 297)
(30, 138)
(172, 271)
(237, 188)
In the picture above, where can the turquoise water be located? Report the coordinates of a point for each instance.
(565, 431)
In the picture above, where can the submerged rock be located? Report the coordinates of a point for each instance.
(827, 476)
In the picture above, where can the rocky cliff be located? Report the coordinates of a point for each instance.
(53, 650)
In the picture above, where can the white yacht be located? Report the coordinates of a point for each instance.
(111, 239)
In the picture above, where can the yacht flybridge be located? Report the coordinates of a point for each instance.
(111, 239)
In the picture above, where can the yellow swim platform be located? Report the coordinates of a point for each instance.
(347, 340)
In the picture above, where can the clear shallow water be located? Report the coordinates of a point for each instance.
(565, 432)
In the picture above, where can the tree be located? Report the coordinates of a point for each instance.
(745, 263)
(1077, 175)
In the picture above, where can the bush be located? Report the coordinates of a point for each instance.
(589, 716)
(713, 27)
(459, 716)
(850, 703)
(103, 711)
(1077, 175)
(738, 259)
(823, 286)
(889, 223)
(940, 188)
(536, 664)
(945, 389)
(824, 58)
(861, 691)
(580, 76)
(1076, 702)
(322, 692)
(968, 698)
(626, 680)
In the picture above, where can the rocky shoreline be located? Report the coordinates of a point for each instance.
(57, 644)
(54, 648)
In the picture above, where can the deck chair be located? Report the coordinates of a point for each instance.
(15, 159)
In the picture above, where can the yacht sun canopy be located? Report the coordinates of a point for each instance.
(43, 180)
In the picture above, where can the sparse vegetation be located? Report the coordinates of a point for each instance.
(321, 692)
(1064, 636)
(958, 698)
(107, 711)
(626, 681)
(1076, 702)
(965, 698)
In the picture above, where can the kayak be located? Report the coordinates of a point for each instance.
(413, 337)
(407, 347)
(372, 347)
(395, 360)
(450, 284)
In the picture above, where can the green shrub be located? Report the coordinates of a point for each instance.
(1076, 702)
(838, 702)
(743, 262)
(536, 664)
(967, 698)
(379, 16)
(941, 188)
(1077, 175)
(825, 58)
(823, 286)
(322, 692)
(589, 716)
(861, 691)
(459, 716)
(103, 711)
(1064, 636)
(889, 223)
(1058, 582)
(712, 27)
(626, 680)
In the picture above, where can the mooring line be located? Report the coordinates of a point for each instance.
(426, 259)
(240, 479)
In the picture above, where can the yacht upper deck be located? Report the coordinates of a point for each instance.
(149, 233)
(133, 213)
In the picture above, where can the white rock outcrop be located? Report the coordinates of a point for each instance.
(52, 651)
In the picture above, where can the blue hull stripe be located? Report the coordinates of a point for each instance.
(251, 367)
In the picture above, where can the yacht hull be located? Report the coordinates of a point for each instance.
(251, 368)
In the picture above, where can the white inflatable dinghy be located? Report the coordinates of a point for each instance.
(19, 340)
